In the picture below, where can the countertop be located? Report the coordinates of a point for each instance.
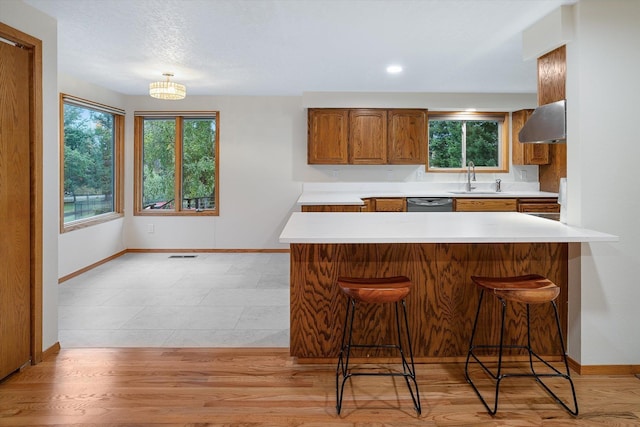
(432, 227)
(352, 194)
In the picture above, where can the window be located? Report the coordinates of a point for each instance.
(91, 152)
(455, 139)
(176, 163)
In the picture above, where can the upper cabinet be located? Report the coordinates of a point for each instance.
(328, 134)
(407, 137)
(367, 136)
(526, 154)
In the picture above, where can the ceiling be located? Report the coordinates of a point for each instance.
(286, 47)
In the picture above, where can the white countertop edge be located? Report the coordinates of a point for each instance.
(433, 227)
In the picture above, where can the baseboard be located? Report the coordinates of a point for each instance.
(90, 267)
(208, 251)
(603, 369)
(51, 351)
(114, 256)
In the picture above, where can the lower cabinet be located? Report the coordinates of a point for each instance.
(546, 205)
(485, 205)
(332, 208)
(396, 204)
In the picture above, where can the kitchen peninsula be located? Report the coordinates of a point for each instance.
(438, 251)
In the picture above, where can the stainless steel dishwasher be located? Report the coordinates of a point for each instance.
(429, 204)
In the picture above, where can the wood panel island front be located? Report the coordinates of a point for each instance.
(438, 251)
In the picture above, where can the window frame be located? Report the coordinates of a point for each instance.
(503, 150)
(179, 116)
(118, 163)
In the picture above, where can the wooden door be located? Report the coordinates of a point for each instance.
(407, 141)
(368, 136)
(327, 136)
(15, 211)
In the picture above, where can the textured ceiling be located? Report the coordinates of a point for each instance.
(286, 47)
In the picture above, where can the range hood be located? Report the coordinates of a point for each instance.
(547, 124)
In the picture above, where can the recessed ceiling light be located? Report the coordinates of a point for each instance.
(394, 69)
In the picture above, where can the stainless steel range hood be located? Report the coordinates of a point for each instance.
(547, 124)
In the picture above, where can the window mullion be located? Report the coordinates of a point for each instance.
(178, 165)
(463, 148)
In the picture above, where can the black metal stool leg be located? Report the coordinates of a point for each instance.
(566, 376)
(342, 370)
(498, 376)
(408, 368)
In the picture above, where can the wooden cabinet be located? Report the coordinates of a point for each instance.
(526, 154)
(396, 204)
(327, 136)
(332, 208)
(485, 205)
(543, 205)
(407, 141)
(366, 136)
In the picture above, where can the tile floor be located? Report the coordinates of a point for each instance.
(152, 300)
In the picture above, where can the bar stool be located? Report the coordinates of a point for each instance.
(528, 289)
(375, 291)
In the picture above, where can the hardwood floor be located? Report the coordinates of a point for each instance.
(251, 387)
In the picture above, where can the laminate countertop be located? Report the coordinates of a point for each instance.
(432, 227)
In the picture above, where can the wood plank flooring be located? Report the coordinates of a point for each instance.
(266, 387)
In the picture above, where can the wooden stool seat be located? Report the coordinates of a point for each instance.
(529, 289)
(375, 290)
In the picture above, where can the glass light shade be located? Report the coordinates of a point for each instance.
(167, 90)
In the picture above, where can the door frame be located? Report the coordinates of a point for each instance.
(34, 47)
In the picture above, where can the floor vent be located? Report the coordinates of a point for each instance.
(182, 256)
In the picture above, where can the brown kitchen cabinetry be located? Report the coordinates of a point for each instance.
(539, 205)
(396, 204)
(366, 136)
(328, 135)
(332, 208)
(407, 143)
(485, 205)
(526, 154)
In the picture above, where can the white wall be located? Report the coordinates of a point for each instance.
(260, 139)
(24, 18)
(75, 251)
(603, 152)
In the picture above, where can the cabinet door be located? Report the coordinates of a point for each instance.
(390, 205)
(526, 154)
(327, 141)
(331, 208)
(547, 205)
(407, 140)
(368, 137)
(486, 205)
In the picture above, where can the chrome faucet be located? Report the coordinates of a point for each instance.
(470, 167)
(498, 187)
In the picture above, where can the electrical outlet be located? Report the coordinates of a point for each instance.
(151, 228)
(419, 174)
(334, 173)
(523, 175)
(389, 175)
